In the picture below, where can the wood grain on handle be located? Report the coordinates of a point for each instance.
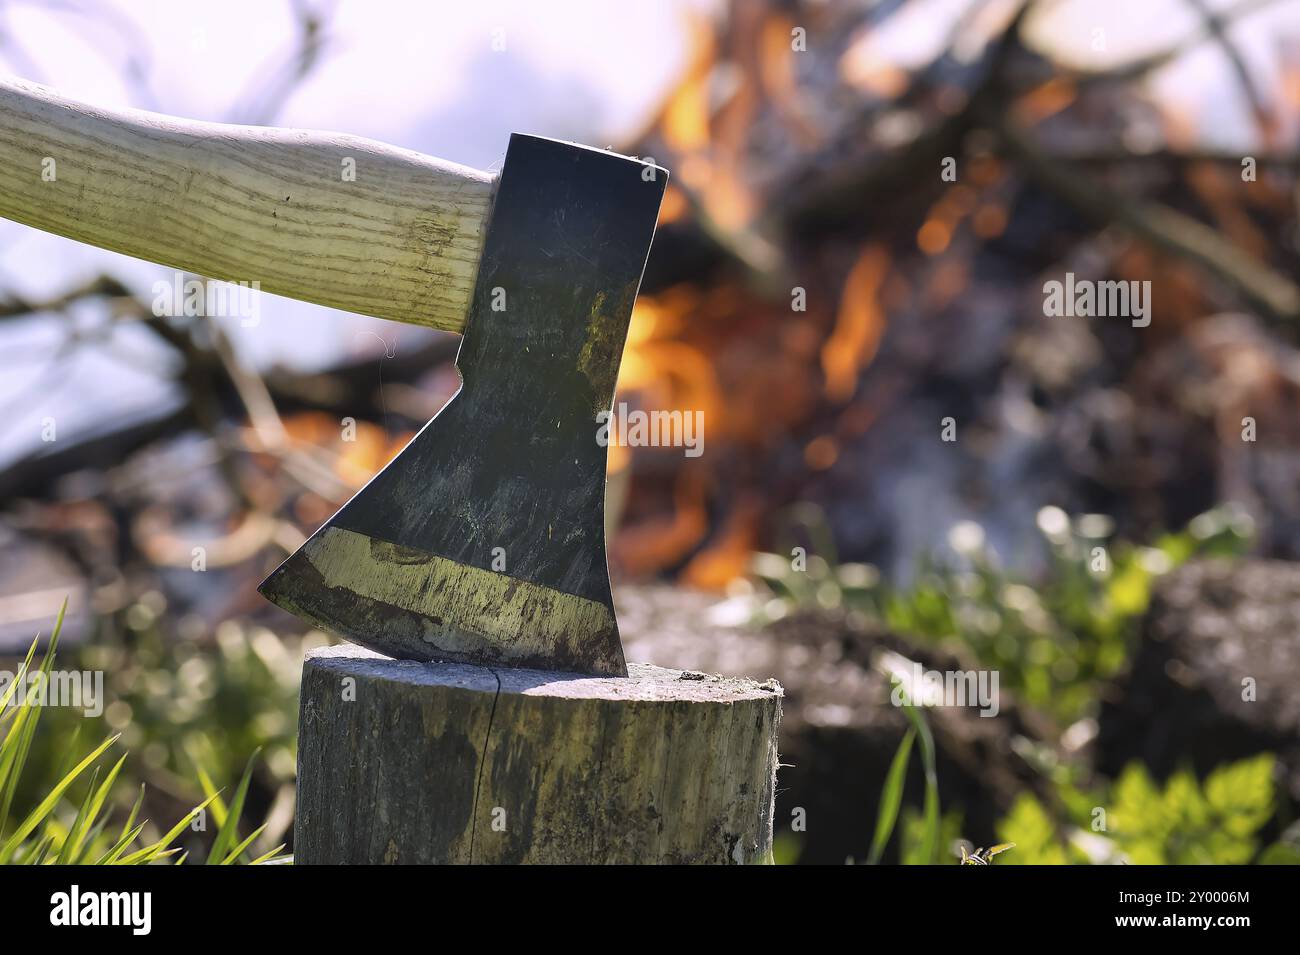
(250, 203)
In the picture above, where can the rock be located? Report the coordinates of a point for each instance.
(1215, 632)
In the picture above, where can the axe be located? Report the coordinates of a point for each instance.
(483, 541)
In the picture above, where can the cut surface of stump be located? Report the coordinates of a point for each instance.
(406, 762)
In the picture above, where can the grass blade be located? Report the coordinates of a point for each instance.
(930, 840)
(20, 676)
(135, 813)
(218, 807)
(228, 832)
(115, 853)
(159, 850)
(239, 850)
(65, 848)
(891, 797)
(271, 858)
(50, 801)
(18, 739)
(95, 803)
(93, 836)
(38, 852)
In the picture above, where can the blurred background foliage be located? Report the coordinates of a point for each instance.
(1181, 823)
(1056, 645)
(1053, 639)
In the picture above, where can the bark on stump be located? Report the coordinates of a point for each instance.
(404, 762)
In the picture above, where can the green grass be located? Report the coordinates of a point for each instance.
(62, 830)
(924, 833)
(187, 701)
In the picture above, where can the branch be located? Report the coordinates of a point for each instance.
(1267, 291)
(1217, 27)
(349, 389)
(828, 200)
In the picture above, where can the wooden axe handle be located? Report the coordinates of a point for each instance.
(323, 217)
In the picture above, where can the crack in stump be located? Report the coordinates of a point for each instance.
(482, 764)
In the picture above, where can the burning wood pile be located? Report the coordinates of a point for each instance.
(854, 277)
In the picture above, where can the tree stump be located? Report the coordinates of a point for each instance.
(404, 762)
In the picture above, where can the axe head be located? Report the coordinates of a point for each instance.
(484, 540)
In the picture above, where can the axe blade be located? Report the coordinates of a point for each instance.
(483, 541)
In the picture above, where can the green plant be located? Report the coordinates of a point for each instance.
(1053, 640)
(1138, 821)
(923, 837)
(914, 837)
(57, 830)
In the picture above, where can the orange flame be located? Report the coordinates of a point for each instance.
(660, 542)
(670, 373)
(727, 557)
(708, 144)
(684, 119)
(859, 325)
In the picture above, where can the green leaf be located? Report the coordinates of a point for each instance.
(930, 841)
(95, 803)
(1136, 799)
(1241, 794)
(891, 797)
(1279, 853)
(51, 800)
(239, 850)
(159, 849)
(229, 828)
(1030, 827)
